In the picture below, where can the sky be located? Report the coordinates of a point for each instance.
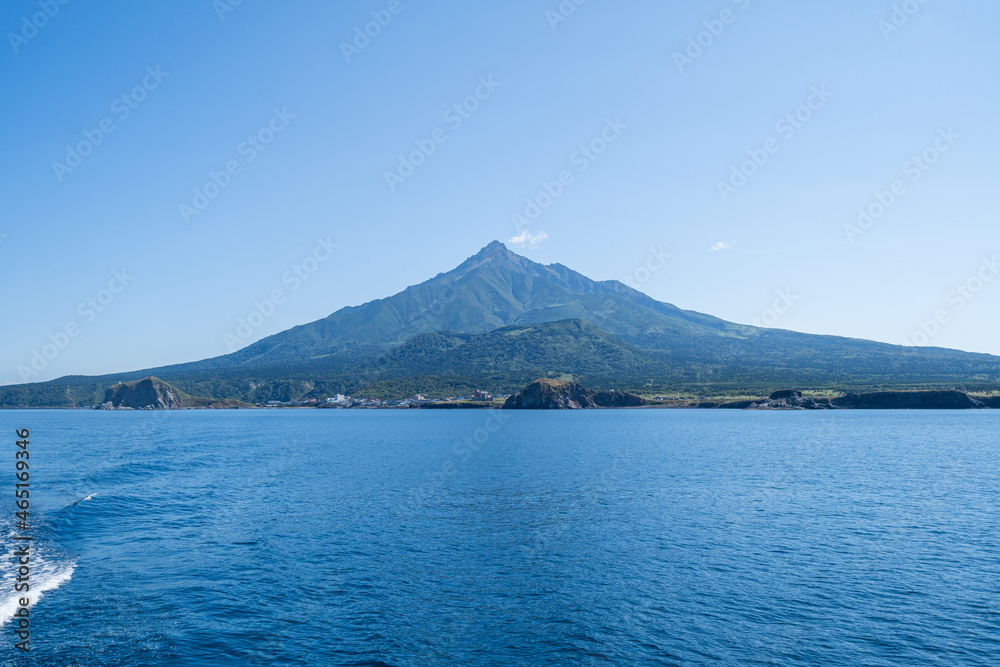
(169, 169)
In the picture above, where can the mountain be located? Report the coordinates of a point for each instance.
(499, 320)
(492, 289)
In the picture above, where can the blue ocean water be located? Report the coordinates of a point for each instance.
(353, 537)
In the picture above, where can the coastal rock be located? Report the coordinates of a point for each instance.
(456, 405)
(147, 394)
(618, 399)
(909, 400)
(546, 394)
(785, 394)
(990, 401)
(736, 405)
(790, 399)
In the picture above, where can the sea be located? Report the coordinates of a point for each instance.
(490, 537)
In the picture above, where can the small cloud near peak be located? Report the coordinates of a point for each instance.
(528, 240)
(722, 245)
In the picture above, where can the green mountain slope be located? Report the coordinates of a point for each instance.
(567, 347)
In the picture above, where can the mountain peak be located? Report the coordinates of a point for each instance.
(493, 252)
(494, 248)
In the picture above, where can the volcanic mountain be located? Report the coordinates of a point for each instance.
(500, 320)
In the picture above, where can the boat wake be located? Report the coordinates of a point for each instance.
(49, 581)
(48, 572)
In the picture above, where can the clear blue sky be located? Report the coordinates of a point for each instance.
(555, 84)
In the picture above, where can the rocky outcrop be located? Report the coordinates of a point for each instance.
(789, 399)
(546, 394)
(734, 405)
(618, 399)
(147, 394)
(989, 401)
(455, 405)
(909, 400)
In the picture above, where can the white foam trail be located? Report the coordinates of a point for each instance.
(51, 579)
(90, 496)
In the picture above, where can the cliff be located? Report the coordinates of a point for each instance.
(789, 399)
(546, 394)
(147, 394)
(909, 400)
(152, 393)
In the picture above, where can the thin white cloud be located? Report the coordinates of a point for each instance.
(528, 240)
(722, 245)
